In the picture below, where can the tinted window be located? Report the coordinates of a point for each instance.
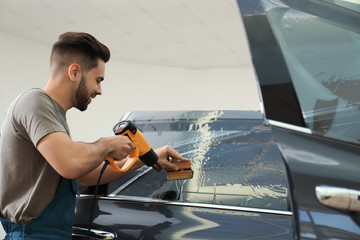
(235, 162)
(321, 46)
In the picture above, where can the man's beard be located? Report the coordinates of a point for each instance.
(82, 95)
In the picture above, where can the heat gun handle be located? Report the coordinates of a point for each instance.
(133, 156)
(145, 153)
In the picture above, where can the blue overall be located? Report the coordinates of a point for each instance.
(55, 222)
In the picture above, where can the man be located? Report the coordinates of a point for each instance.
(40, 162)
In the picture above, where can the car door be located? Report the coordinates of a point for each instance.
(238, 190)
(306, 57)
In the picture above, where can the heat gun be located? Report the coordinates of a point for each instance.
(142, 150)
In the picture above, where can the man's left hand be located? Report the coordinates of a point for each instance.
(167, 156)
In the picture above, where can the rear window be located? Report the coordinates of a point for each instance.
(236, 162)
(321, 46)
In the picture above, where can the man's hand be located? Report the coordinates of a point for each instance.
(122, 146)
(167, 155)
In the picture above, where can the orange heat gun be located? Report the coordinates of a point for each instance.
(142, 150)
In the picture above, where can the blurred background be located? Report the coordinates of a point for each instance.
(165, 55)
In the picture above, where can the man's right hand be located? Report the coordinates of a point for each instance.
(122, 146)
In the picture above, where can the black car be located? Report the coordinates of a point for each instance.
(290, 172)
(239, 182)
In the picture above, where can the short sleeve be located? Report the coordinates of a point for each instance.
(36, 115)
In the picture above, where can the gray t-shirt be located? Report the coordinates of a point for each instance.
(27, 181)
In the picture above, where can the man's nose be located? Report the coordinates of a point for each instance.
(99, 90)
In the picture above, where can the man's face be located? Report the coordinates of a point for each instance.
(89, 86)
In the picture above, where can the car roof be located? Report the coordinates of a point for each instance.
(191, 115)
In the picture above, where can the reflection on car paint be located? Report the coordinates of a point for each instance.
(310, 157)
(326, 221)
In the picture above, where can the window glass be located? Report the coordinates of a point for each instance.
(321, 45)
(235, 162)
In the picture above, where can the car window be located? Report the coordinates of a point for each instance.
(320, 42)
(236, 162)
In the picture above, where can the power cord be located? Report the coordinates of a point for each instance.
(95, 196)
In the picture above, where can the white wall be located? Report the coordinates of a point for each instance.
(25, 64)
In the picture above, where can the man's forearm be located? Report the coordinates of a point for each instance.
(76, 159)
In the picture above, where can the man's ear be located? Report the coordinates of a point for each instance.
(74, 71)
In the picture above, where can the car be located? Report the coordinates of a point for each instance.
(239, 181)
(290, 171)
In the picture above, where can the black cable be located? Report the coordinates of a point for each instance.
(95, 196)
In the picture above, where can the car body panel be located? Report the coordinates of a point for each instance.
(326, 162)
(295, 56)
(144, 219)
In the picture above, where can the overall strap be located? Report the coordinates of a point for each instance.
(73, 181)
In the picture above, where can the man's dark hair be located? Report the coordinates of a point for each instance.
(79, 46)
